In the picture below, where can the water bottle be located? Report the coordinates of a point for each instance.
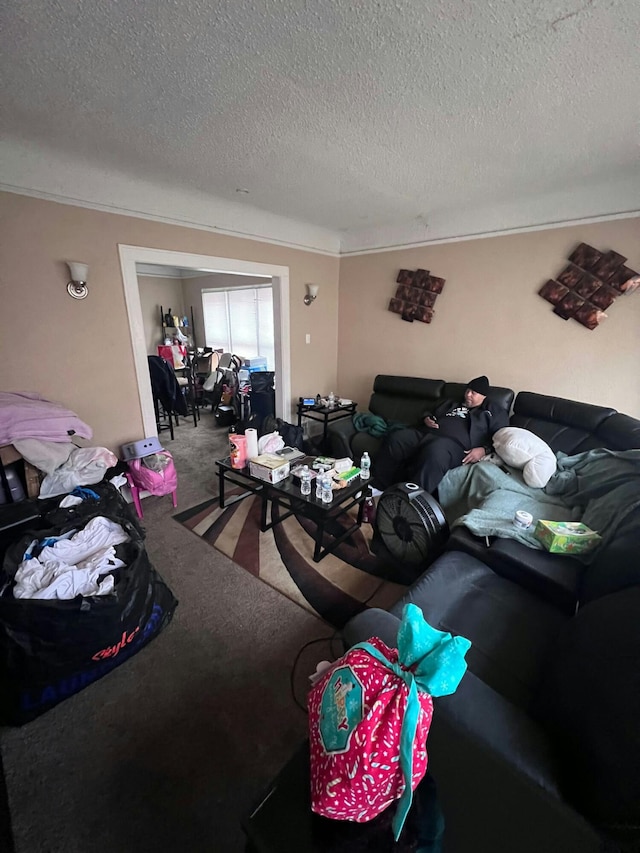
(332, 399)
(365, 466)
(305, 481)
(319, 486)
(327, 491)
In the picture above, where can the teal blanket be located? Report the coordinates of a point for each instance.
(374, 424)
(598, 487)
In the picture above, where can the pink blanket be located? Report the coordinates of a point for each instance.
(28, 415)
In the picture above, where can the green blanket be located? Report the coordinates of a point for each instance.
(374, 424)
(598, 487)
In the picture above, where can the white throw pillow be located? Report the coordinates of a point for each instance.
(523, 449)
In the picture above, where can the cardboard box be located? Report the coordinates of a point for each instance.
(566, 537)
(269, 467)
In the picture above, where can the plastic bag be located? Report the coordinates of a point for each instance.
(85, 466)
(156, 461)
(270, 442)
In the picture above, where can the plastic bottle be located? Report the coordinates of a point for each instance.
(319, 478)
(327, 492)
(369, 509)
(332, 399)
(365, 466)
(305, 481)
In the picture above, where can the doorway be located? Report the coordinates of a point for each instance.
(204, 265)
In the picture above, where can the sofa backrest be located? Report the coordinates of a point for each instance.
(404, 398)
(565, 425)
(497, 394)
(619, 432)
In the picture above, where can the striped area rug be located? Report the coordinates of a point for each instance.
(335, 589)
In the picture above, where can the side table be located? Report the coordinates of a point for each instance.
(282, 820)
(325, 415)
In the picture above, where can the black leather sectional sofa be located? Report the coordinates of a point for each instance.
(539, 749)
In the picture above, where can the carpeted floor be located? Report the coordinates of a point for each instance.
(168, 751)
(338, 587)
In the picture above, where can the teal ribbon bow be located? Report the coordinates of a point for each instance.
(429, 661)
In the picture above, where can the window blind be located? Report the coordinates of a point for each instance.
(240, 320)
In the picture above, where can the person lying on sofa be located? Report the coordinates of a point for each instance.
(456, 433)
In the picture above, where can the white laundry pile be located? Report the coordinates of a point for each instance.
(72, 564)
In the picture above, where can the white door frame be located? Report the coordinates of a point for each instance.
(130, 255)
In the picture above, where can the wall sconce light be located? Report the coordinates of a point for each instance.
(77, 287)
(312, 293)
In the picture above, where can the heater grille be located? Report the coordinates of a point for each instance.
(411, 525)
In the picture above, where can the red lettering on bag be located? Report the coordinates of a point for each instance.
(112, 651)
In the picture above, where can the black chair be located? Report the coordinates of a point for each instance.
(168, 399)
(188, 381)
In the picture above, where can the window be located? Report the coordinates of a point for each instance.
(240, 320)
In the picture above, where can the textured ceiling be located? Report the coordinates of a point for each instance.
(346, 115)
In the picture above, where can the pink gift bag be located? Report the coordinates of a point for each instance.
(369, 717)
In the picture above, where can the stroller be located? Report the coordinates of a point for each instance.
(222, 389)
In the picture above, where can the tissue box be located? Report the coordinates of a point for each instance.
(269, 467)
(566, 537)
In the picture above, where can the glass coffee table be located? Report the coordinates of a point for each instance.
(286, 495)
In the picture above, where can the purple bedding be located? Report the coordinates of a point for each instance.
(28, 415)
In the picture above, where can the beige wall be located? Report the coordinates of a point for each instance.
(156, 293)
(490, 319)
(79, 352)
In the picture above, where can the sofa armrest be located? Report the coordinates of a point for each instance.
(372, 622)
(498, 778)
(340, 433)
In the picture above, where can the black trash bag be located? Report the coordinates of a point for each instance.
(109, 503)
(50, 650)
(292, 435)
(262, 380)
